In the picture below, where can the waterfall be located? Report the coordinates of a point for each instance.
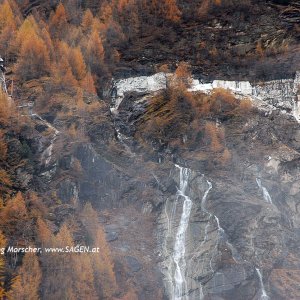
(201, 292)
(264, 295)
(265, 192)
(183, 256)
(179, 288)
(3, 82)
(203, 202)
(47, 153)
(122, 138)
(296, 109)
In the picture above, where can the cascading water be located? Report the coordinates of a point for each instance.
(122, 138)
(179, 288)
(264, 295)
(185, 257)
(265, 192)
(203, 202)
(3, 82)
(47, 153)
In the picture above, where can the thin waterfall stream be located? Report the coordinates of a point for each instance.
(264, 295)
(178, 276)
(179, 289)
(264, 190)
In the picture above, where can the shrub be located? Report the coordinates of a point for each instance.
(213, 137)
(245, 106)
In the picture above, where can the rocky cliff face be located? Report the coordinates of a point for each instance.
(180, 226)
(226, 233)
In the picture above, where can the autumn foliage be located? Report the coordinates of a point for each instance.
(26, 284)
(69, 52)
(34, 60)
(183, 119)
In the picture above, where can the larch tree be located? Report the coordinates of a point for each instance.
(5, 110)
(2, 268)
(58, 268)
(87, 21)
(94, 52)
(106, 12)
(44, 234)
(182, 77)
(48, 42)
(58, 22)
(3, 146)
(28, 29)
(212, 135)
(7, 27)
(84, 280)
(62, 70)
(16, 208)
(77, 63)
(151, 10)
(6, 16)
(73, 10)
(88, 83)
(128, 17)
(26, 285)
(33, 61)
(170, 11)
(69, 276)
(102, 263)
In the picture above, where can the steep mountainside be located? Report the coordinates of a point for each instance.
(166, 134)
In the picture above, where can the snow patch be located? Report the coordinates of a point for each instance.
(270, 95)
(141, 84)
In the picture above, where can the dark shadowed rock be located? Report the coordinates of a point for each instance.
(133, 264)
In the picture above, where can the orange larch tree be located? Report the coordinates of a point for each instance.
(88, 83)
(33, 61)
(128, 17)
(87, 21)
(58, 22)
(77, 63)
(94, 52)
(2, 267)
(105, 280)
(28, 29)
(8, 27)
(170, 11)
(27, 283)
(62, 71)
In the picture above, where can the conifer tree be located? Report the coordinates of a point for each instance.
(102, 264)
(170, 11)
(2, 267)
(88, 83)
(44, 234)
(6, 16)
(128, 17)
(16, 208)
(3, 146)
(8, 27)
(94, 52)
(58, 22)
(87, 21)
(77, 63)
(27, 283)
(62, 71)
(33, 61)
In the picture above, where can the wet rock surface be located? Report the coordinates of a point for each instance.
(235, 233)
(238, 245)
